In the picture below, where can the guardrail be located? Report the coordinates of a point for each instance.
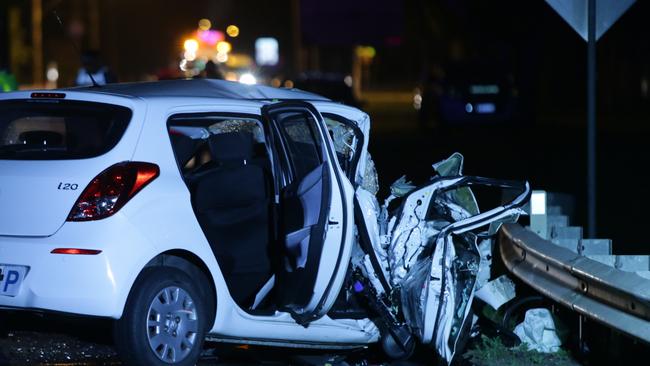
(618, 299)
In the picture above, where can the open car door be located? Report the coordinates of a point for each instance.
(314, 206)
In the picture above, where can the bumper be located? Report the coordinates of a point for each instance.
(93, 285)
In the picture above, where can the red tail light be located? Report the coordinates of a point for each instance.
(112, 189)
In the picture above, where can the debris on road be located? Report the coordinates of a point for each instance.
(26, 348)
(497, 292)
(537, 331)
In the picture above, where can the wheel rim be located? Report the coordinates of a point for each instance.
(172, 324)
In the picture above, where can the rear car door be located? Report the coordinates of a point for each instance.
(314, 208)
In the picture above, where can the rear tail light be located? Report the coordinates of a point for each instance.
(112, 189)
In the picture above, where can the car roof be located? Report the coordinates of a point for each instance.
(209, 88)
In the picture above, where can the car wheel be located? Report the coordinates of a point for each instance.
(165, 319)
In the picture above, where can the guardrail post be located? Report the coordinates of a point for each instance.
(538, 214)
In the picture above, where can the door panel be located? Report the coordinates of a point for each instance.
(307, 204)
(311, 200)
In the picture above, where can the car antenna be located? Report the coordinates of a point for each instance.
(76, 49)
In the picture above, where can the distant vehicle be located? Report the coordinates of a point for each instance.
(187, 209)
(469, 93)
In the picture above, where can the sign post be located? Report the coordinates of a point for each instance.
(591, 19)
(591, 119)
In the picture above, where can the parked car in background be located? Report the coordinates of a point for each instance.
(334, 86)
(473, 92)
(194, 209)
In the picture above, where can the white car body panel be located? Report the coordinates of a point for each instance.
(144, 229)
(25, 186)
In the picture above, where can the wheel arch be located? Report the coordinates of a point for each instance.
(189, 263)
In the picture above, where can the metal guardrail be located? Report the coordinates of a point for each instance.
(618, 299)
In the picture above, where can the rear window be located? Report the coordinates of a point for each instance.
(59, 130)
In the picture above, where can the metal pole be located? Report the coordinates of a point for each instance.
(591, 118)
(37, 43)
(298, 58)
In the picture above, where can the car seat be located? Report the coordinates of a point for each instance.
(232, 202)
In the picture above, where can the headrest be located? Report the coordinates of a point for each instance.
(231, 146)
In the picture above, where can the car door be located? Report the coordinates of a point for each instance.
(314, 206)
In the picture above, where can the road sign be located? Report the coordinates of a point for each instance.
(591, 19)
(574, 12)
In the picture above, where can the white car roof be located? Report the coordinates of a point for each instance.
(199, 88)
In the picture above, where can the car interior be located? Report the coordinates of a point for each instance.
(229, 177)
(267, 252)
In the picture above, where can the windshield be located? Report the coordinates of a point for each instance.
(59, 130)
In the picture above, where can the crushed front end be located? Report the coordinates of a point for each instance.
(424, 253)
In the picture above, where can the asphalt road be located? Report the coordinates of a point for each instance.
(33, 339)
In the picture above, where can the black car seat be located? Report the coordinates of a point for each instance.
(232, 202)
(184, 147)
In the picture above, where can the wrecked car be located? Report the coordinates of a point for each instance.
(194, 209)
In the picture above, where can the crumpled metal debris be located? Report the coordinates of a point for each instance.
(401, 187)
(485, 265)
(497, 292)
(463, 197)
(538, 331)
(414, 232)
(435, 249)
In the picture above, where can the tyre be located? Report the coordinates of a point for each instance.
(395, 350)
(165, 319)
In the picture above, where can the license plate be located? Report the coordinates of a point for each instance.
(10, 279)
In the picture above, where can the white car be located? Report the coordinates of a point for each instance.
(196, 209)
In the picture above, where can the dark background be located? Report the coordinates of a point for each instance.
(544, 57)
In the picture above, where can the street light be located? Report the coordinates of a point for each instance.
(191, 45)
(224, 47)
(232, 31)
(205, 24)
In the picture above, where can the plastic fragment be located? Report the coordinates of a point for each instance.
(538, 331)
(497, 292)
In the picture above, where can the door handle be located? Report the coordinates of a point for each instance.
(331, 222)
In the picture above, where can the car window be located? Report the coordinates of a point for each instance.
(189, 136)
(59, 130)
(302, 140)
(346, 142)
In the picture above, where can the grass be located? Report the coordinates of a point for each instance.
(492, 352)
